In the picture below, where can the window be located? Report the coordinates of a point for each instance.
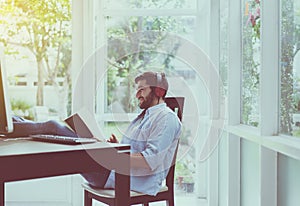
(224, 61)
(136, 36)
(36, 39)
(251, 62)
(290, 68)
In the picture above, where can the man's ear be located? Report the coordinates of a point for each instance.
(160, 92)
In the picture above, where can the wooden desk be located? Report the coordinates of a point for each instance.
(25, 159)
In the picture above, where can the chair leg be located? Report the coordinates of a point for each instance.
(87, 199)
(146, 204)
(170, 202)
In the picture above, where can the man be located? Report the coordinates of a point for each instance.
(153, 137)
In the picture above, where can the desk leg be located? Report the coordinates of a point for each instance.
(122, 190)
(122, 185)
(2, 194)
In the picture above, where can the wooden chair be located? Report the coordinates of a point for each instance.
(166, 193)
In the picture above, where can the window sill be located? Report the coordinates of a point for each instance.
(287, 145)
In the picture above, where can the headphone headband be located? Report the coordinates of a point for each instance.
(159, 91)
(158, 78)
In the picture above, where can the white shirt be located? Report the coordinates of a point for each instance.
(155, 136)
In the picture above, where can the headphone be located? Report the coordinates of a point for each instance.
(159, 90)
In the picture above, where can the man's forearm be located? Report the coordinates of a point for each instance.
(137, 160)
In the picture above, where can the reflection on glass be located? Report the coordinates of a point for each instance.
(290, 68)
(251, 62)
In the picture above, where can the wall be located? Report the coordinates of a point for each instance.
(288, 181)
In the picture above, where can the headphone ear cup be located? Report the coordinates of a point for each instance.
(160, 92)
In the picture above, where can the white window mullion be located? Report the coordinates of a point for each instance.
(90, 58)
(268, 177)
(83, 94)
(269, 96)
(235, 63)
(77, 45)
(269, 77)
(101, 72)
(214, 85)
(79, 10)
(201, 38)
(234, 104)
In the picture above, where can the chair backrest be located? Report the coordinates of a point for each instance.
(176, 104)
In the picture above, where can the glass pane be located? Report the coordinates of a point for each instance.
(116, 128)
(36, 38)
(141, 43)
(290, 68)
(224, 61)
(251, 62)
(150, 4)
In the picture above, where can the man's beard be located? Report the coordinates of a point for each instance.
(147, 101)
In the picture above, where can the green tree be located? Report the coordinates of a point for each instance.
(44, 28)
(290, 45)
(290, 42)
(137, 40)
(251, 64)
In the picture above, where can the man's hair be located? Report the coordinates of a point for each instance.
(154, 80)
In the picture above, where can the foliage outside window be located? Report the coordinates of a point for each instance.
(224, 61)
(137, 40)
(290, 68)
(146, 58)
(22, 108)
(251, 62)
(42, 29)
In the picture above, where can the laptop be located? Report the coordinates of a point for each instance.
(83, 123)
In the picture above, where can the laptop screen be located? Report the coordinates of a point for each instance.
(78, 125)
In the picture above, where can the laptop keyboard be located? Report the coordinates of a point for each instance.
(62, 139)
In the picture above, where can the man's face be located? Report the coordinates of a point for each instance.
(144, 95)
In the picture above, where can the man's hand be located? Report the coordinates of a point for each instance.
(112, 139)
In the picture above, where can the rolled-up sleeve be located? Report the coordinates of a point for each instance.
(161, 144)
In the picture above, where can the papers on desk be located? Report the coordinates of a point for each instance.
(84, 123)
